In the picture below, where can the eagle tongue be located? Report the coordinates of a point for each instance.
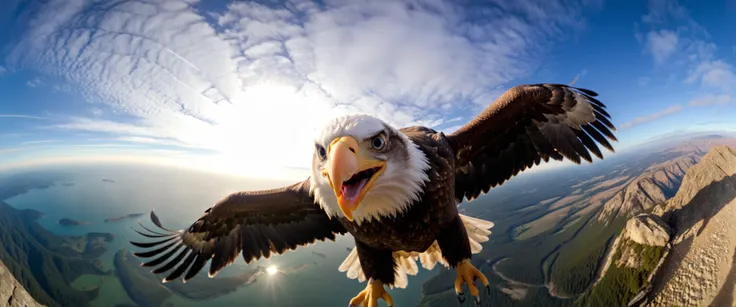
(351, 191)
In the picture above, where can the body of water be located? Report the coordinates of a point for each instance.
(179, 197)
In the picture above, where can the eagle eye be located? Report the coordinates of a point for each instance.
(321, 152)
(378, 142)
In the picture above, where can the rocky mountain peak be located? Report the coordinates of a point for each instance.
(647, 229)
(709, 182)
(654, 186)
(701, 215)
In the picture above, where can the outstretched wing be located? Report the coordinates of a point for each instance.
(526, 125)
(255, 223)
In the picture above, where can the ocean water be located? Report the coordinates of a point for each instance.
(179, 197)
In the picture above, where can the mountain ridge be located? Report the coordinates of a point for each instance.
(655, 185)
(677, 255)
(702, 215)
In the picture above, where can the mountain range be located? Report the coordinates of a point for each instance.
(678, 252)
(655, 228)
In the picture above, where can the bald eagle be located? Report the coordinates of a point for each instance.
(396, 191)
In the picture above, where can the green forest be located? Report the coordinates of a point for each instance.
(620, 284)
(576, 265)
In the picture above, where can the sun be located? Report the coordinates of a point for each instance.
(272, 270)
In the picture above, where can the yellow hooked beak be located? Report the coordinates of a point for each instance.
(350, 172)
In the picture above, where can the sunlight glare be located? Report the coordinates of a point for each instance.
(272, 270)
(268, 125)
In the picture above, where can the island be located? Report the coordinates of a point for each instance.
(120, 218)
(108, 180)
(67, 184)
(70, 222)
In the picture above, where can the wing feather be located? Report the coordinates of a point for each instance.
(528, 124)
(255, 224)
(160, 259)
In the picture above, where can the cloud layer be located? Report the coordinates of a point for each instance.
(253, 81)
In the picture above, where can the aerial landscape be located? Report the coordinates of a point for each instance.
(376, 153)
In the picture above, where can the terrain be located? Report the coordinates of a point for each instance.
(680, 254)
(124, 217)
(12, 293)
(602, 233)
(631, 263)
(70, 222)
(553, 239)
(699, 271)
(46, 264)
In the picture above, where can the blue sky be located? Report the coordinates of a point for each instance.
(243, 86)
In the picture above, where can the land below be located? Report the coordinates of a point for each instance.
(554, 232)
(70, 222)
(123, 217)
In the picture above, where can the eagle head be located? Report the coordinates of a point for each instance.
(364, 169)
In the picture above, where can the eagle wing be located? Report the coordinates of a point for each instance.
(526, 125)
(255, 223)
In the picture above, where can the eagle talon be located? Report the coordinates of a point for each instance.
(460, 297)
(370, 295)
(467, 273)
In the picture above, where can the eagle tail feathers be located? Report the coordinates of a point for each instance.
(406, 262)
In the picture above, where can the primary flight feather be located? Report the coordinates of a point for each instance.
(394, 190)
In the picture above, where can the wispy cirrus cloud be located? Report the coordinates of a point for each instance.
(20, 116)
(648, 118)
(230, 80)
(39, 142)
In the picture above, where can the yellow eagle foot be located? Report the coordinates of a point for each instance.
(467, 273)
(369, 297)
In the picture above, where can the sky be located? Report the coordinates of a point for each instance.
(243, 87)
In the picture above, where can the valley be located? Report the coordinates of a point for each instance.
(549, 247)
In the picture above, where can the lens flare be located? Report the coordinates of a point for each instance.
(271, 270)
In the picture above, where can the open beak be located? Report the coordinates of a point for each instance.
(351, 172)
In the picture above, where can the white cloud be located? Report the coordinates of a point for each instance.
(34, 82)
(710, 99)
(689, 48)
(149, 140)
(715, 74)
(648, 118)
(256, 84)
(3, 70)
(661, 44)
